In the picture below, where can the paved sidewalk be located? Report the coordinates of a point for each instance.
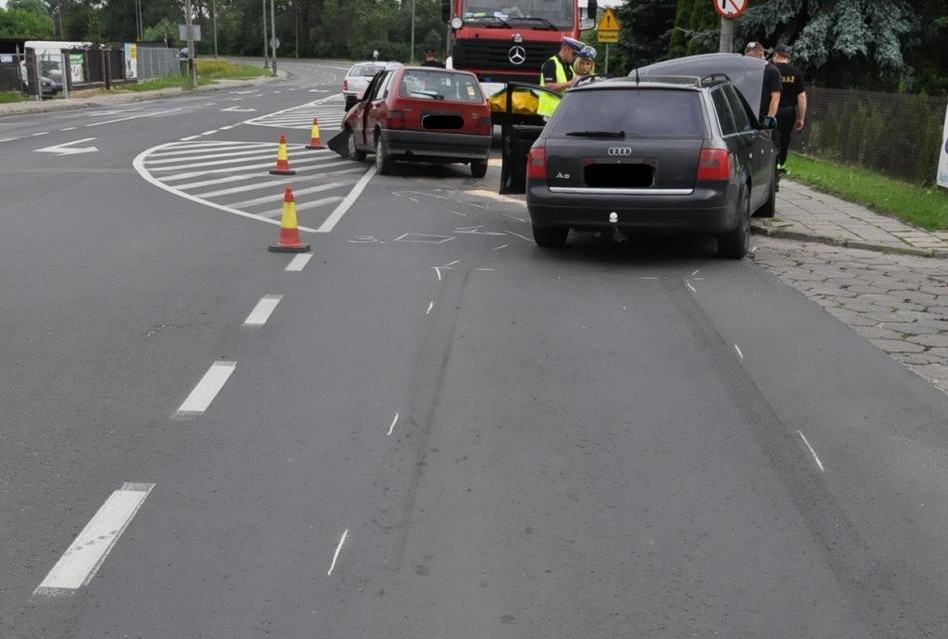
(805, 214)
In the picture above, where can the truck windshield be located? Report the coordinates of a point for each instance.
(525, 14)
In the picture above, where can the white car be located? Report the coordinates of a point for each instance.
(357, 79)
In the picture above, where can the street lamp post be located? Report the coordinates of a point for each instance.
(273, 37)
(192, 69)
(266, 47)
(411, 57)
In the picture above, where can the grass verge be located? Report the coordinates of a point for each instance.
(8, 97)
(208, 72)
(918, 205)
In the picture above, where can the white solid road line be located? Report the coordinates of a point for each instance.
(263, 310)
(812, 452)
(338, 548)
(85, 555)
(207, 389)
(349, 200)
(739, 353)
(430, 306)
(269, 198)
(299, 262)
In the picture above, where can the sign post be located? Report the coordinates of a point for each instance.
(607, 31)
(943, 156)
(729, 10)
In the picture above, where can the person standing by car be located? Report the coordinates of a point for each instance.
(431, 59)
(792, 111)
(585, 64)
(556, 74)
(770, 97)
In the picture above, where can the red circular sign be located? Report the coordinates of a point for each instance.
(730, 9)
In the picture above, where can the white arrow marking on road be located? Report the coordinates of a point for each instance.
(239, 110)
(63, 149)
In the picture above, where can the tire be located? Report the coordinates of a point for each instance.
(551, 236)
(769, 209)
(478, 168)
(734, 244)
(383, 163)
(354, 153)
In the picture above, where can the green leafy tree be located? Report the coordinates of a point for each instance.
(697, 28)
(33, 6)
(18, 23)
(165, 31)
(841, 42)
(645, 36)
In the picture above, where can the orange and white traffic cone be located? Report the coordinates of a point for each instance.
(283, 160)
(314, 141)
(289, 232)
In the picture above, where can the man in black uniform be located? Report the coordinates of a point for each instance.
(770, 97)
(431, 59)
(792, 111)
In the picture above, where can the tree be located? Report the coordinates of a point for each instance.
(645, 37)
(841, 42)
(33, 6)
(20, 24)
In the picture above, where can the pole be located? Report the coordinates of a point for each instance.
(411, 57)
(726, 43)
(192, 68)
(273, 36)
(266, 50)
(605, 71)
(214, 23)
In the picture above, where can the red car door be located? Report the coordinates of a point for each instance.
(377, 107)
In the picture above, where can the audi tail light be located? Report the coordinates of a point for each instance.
(714, 165)
(536, 163)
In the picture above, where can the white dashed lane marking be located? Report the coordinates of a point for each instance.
(299, 262)
(85, 555)
(263, 310)
(207, 389)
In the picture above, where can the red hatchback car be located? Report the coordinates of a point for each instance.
(421, 114)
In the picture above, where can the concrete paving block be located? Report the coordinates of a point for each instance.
(897, 346)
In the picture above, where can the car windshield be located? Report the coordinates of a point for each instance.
(537, 14)
(365, 70)
(440, 85)
(636, 113)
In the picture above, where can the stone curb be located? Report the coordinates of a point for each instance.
(760, 228)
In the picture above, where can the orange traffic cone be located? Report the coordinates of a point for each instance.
(289, 232)
(283, 160)
(314, 141)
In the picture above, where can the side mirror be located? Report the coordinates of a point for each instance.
(592, 8)
(445, 11)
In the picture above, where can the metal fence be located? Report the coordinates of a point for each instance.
(893, 133)
(157, 62)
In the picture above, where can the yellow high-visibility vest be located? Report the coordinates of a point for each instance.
(548, 103)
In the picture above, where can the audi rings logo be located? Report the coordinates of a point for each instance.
(517, 55)
(619, 151)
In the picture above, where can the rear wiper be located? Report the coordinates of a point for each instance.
(549, 25)
(598, 134)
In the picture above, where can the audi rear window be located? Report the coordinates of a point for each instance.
(637, 113)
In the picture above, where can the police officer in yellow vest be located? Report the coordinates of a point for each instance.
(557, 75)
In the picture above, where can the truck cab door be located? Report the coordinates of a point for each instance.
(520, 128)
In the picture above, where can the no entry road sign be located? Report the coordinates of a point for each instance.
(730, 9)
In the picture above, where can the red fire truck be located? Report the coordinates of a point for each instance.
(508, 40)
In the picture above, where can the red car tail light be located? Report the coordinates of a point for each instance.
(345, 85)
(536, 163)
(396, 120)
(714, 165)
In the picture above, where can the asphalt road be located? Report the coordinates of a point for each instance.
(441, 430)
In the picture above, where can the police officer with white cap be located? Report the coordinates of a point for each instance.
(557, 75)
